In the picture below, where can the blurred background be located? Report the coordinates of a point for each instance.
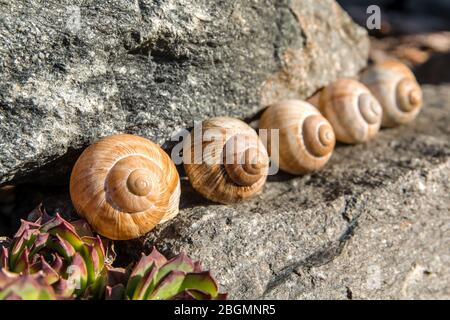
(414, 31)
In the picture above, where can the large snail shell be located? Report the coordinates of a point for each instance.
(397, 90)
(124, 185)
(351, 109)
(306, 139)
(225, 160)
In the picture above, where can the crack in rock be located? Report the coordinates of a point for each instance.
(324, 255)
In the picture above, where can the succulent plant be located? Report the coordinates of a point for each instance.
(50, 258)
(66, 255)
(156, 278)
(25, 287)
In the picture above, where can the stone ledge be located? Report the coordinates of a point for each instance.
(373, 224)
(72, 74)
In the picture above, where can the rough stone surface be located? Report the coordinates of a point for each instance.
(374, 224)
(73, 71)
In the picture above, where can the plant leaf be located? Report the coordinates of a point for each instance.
(82, 228)
(4, 258)
(203, 282)
(60, 227)
(116, 292)
(192, 295)
(142, 267)
(169, 286)
(39, 243)
(180, 262)
(77, 274)
(22, 263)
(62, 246)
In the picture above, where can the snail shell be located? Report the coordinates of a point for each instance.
(306, 139)
(225, 160)
(124, 185)
(397, 90)
(351, 109)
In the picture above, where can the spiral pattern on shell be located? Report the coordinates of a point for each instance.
(409, 95)
(397, 90)
(124, 185)
(305, 138)
(225, 160)
(352, 110)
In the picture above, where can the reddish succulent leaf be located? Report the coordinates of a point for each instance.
(63, 288)
(157, 257)
(198, 266)
(203, 282)
(146, 284)
(59, 249)
(139, 281)
(20, 244)
(12, 297)
(116, 292)
(27, 288)
(39, 215)
(222, 296)
(169, 286)
(25, 226)
(97, 259)
(192, 295)
(146, 261)
(22, 262)
(51, 276)
(142, 267)
(89, 255)
(16, 250)
(99, 253)
(6, 277)
(96, 290)
(82, 228)
(185, 295)
(62, 228)
(39, 243)
(63, 247)
(74, 264)
(77, 274)
(180, 262)
(57, 263)
(200, 295)
(116, 276)
(4, 258)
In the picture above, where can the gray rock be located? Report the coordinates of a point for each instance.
(73, 71)
(374, 224)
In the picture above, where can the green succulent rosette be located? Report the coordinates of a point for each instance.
(67, 255)
(156, 278)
